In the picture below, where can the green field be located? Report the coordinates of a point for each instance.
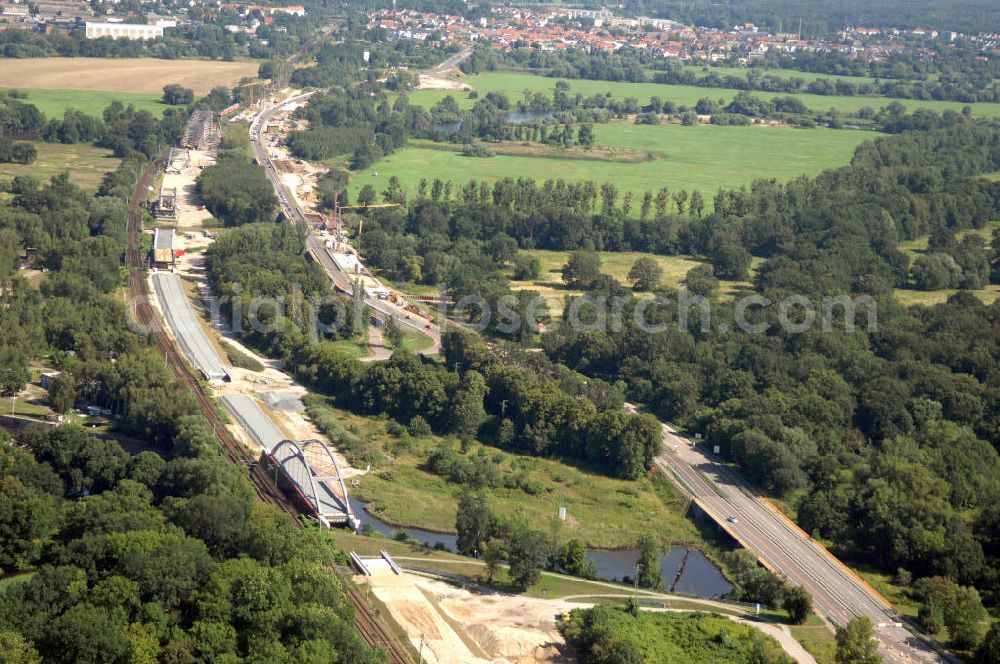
(613, 263)
(351, 348)
(603, 511)
(706, 157)
(85, 163)
(781, 73)
(415, 341)
(53, 103)
(917, 247)
(687, 95)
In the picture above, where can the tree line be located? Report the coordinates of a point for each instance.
(955, 75)
(760, 81)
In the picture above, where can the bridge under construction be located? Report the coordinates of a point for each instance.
(307, 470)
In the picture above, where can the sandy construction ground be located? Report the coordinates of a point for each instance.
(428, 82)
(459, 627)
(186, 183)
(125, 75)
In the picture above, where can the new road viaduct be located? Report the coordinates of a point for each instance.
(317, 250)
(838, 594)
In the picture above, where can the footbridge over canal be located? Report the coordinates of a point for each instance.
(308, 470)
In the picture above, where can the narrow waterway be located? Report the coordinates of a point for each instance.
(683, 570)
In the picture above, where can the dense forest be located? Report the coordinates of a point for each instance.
(236, 190)
(133, 558)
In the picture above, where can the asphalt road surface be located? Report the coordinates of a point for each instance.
(838, 595)
(316, 247)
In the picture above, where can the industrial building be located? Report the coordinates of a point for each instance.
(123, 31)
(163, 247)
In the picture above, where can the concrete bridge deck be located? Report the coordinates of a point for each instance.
(325, 495)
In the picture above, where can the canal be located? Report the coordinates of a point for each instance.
(683, 569)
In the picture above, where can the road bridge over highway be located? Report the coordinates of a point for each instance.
(839, 595)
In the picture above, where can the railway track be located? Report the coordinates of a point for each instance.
(372, 630)
(150, 319)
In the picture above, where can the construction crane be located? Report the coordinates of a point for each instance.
(337, 207)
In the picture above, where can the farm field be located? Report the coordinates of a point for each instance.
(85, 163)
(603, 511)
(53, 103)
(514, 84)
(706, 157)
(143, 75)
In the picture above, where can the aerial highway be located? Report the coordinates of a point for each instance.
(315, 245)
(838, 595)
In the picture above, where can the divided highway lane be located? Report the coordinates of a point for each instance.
(316, 247)
(838, 595)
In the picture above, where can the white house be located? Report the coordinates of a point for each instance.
(123, 31)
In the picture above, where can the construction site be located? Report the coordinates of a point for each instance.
(176, 200)
(202, 132)
(299, 179)
(447, 624)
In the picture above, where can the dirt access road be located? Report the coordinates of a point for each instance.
(457, 625)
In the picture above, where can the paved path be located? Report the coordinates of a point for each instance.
(377, 349)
